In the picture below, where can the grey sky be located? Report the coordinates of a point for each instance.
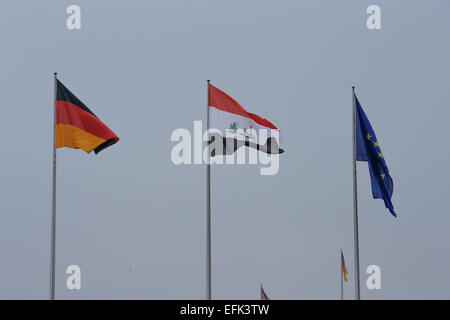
(142, 67)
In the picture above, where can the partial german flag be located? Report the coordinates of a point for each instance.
(263, 294)
(343, 267)
(78, 127)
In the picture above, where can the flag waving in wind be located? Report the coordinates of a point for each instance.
(78, 127)
(263, 294)
(368, 149)
(238, 127)
(344, 269)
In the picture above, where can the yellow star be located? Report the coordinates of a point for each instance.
(382, 176)
(375, 144)
(380, 155)
(369, 136)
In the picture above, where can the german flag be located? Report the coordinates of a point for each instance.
(263, 294)
(78, 127)
(344, 267)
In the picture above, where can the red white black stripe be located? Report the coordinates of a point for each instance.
(236, 127)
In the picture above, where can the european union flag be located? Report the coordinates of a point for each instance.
(368, 149)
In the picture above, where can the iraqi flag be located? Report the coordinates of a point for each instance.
(233, 127)
(78, 127)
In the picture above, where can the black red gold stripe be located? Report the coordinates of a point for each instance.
(264, 295)
(77, 126)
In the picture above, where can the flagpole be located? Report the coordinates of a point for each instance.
(355, 203)
(208, 208)
(342, 278)
(53, 223)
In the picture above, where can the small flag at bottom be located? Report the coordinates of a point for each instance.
(263, 294)
(343, 267)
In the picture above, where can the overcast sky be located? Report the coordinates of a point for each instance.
(135, 222)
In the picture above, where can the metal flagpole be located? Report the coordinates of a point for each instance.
(342, 278)
(53, 223)
(208, 209)
(355, 203)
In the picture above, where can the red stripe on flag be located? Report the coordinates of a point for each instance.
(222, 101)
(69, 113)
